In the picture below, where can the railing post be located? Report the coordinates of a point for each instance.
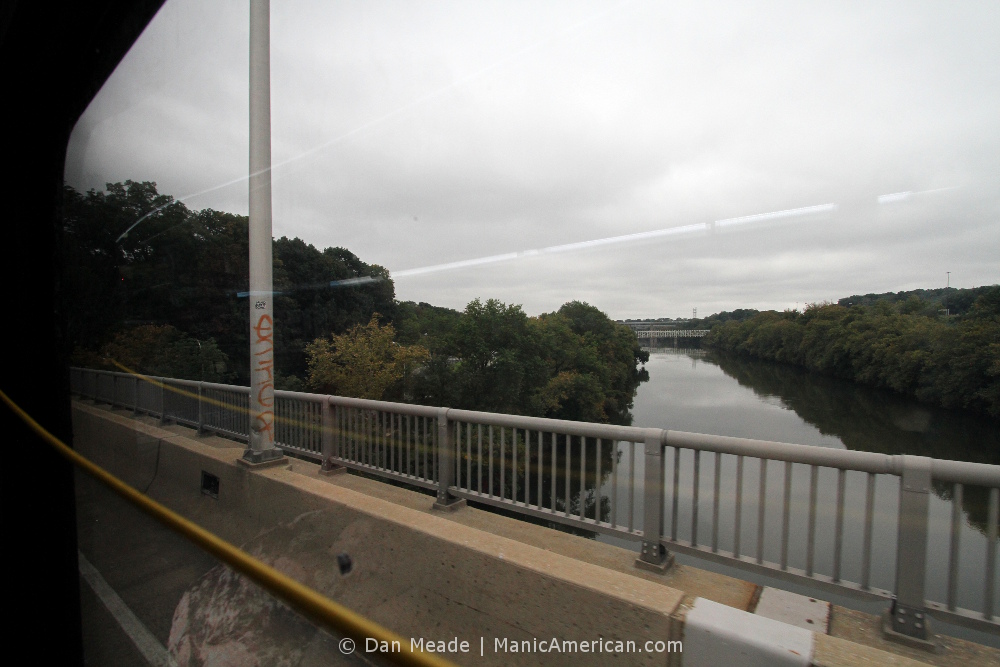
(135, 395)
(654, 556)
(201, 411)
(907, 620)
(327, 442)
(445, 452)
(163, 400)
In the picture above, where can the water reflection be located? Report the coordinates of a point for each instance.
(873, 420)
(703, 392)
(864, 418)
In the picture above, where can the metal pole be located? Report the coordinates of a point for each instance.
(907, 619)
(201, 409)
(446, 463)
(261, 449)
(653, 557)
(327, 443)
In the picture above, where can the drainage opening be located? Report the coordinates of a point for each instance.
(209, 484)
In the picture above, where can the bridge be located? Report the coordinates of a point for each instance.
(630, 483)
(672, 333)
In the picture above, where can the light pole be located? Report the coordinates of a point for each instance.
(261, 450)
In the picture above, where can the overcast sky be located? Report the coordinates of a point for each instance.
(421, 134)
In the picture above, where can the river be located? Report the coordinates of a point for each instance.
(703, 392)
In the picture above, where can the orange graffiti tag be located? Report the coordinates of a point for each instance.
(265, 333)
(264, 420)
(265, 401)
(264, 423)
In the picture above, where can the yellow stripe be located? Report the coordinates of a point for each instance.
(302, 598)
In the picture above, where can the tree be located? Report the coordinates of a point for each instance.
(497, 363)
(896, 341)
(363, 363)
(186, 269)
(163, 351)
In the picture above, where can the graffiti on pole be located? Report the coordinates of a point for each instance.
(263, 377)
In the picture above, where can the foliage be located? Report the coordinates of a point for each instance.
(425, 324)
(901, 345)
(186, 268)
(363, 363)
(572, 364)
(181, 271)
(160, 350)
(928, 302)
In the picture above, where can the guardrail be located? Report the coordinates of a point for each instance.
(614, 480)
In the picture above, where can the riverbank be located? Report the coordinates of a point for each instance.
(952, 361)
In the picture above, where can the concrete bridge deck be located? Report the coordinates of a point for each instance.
(465, 573)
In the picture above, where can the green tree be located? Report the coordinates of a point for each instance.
(893, 341)
(364, 362)
(164, 351)
(496, 358)
(186, 269)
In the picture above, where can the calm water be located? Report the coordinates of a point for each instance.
(691, 390)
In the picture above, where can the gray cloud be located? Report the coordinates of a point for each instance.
(418, 135)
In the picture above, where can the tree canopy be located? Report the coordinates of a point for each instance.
(575, 363)
(904, 345)
(364, 362)
(186, 269)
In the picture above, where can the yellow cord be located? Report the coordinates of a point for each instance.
(302, 598)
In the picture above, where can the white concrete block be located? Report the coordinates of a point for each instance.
(715, 634)
(805, 612)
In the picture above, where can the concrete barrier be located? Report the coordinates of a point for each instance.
(431, 578)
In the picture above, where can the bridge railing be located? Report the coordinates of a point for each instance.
(753, 504)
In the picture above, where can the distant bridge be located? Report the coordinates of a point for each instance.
(672, 333)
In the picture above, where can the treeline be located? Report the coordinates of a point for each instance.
(575, 363)
(185, 269)
(905, 344)
(163, 297)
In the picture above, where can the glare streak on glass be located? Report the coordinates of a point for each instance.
(698, 229)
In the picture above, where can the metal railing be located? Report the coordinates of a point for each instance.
(667, 490)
